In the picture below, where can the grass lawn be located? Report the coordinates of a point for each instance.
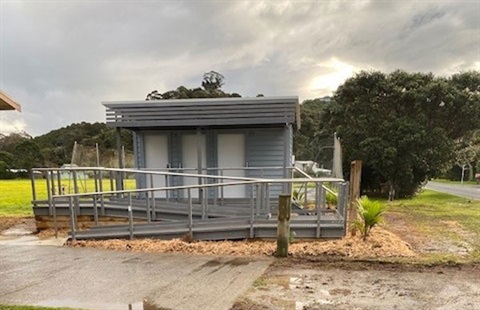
(443, 226)
(16, 195)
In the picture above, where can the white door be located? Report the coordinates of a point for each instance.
(156, 157)
(190, 159)
(231, 154)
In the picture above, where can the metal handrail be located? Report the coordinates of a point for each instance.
(154, 189)
(310, 177)
(126, 170)
(259, 181)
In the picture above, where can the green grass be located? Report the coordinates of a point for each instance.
(21, 307)
(455, 182)
(16, 195)
(442, 218)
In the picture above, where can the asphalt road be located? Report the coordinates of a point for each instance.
(469, 191)
(101, 279)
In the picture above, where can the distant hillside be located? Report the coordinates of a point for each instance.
(53, 149)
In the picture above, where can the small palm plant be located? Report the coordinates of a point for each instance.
(371, 214)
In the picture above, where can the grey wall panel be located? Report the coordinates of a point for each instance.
(265, 148)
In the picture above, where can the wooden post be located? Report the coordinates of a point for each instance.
(355, 179)
(283, 228)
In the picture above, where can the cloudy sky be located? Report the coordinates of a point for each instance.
(60, 59)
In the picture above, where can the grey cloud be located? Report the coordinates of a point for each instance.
(61, 59)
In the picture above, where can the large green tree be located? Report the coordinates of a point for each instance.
(403, 125)
(311, 142)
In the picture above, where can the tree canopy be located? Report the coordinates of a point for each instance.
(402, 125)
(211, 88)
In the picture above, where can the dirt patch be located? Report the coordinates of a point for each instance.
(370, 285)
(399, 224)
(445, 237)
(381, 243)
(24, 224)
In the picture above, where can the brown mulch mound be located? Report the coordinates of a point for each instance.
(381, 243)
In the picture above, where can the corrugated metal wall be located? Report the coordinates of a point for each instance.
(265, 148)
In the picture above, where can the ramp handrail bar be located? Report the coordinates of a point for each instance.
(146, 172)
(310, 177)
(259, 181)
(154, 189)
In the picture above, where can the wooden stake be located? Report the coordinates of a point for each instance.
(283, 228)
(355, 180)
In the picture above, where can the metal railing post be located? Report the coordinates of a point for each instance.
(34, 193)
(205, 197)
(72, 218)
(267, 198)
(190, 213)
(130, 215)
(167, 193)
(49, 193)
(342, 202)
(252, 212)
(154, 211)
(95, 210)
(102, 201)
(95, 180)
(204, 207)
(149, 213)
(110, 175)
(59, 184)
(222, 196)
(55, 225)
(75, 190)
(259, 198)
(52, 181)
(215, 197)
(321, 197)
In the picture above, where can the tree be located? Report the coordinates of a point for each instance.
(402, 125)
(212, 80)
(27, 155)
(468, 153)
(211, 88)
(57, 145)
(8, 143)
(6, 163)
(312, 141)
